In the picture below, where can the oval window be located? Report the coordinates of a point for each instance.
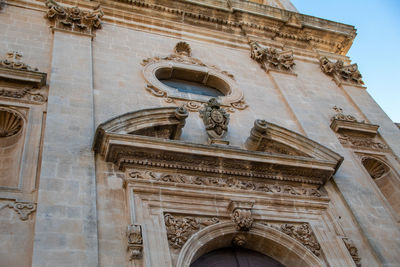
(193, 82)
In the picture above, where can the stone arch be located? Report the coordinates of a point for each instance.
(261, 238)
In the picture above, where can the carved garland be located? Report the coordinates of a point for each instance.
(352, 250)
(182, 56)
(271, 59)
(231, 182)
(338, 70)
(73, 18)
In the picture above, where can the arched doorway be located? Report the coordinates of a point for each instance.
(235, 257)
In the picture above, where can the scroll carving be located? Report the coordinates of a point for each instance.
(179, 228)
(337, 69)
(135, 241)
(362, 142)
(271, 58)
(353, 251)
(241, 214)
(216, 120)
(18, 80)
(73, 18)
(304, 235)
(232, 101)
(23, 209)
(341, 116)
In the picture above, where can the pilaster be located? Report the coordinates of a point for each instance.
(66, 225)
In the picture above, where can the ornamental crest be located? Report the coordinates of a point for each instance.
(215, 119)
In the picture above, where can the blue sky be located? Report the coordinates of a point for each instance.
(376, 47)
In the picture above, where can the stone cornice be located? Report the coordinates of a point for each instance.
(257, 20)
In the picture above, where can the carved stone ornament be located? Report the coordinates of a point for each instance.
(271, 58)
(2, 3)
(19, 80)
(241, 214)
(353, 251)
(239, 240)
(338, 70)
(215, 119)
(74, 18)
(11, 122)
(135, 241)
(23, 209)
(157, 68)
(304, 235)
(180, 228)
(229, 182)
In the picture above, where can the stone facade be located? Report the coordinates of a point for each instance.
(103, 164)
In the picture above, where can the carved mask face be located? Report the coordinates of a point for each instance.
(217, 116)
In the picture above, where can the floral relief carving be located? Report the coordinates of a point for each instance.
(362, 142)
(271, 58)
(215, 120)
(180, 228)
(135, 241)
(231, 182)
(353, 251)
(74, 18)
(347, 73)
(181, 57)
(302, 233)
(23, 209)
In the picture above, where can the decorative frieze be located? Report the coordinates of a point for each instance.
(216, 121)
(362, 142)
(241, 214)
(181, 228)
(135, 241)
(229, 182)
(270, 58)
(23, 209)
(352, 250)
(338, 70)
(73, 18)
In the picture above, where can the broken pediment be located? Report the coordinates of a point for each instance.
(297, 160)
(165, 123)
(273, 139)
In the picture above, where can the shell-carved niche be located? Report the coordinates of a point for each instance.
(11, 144)
(185, 80)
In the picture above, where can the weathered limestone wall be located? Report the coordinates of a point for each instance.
(66, 227)
(23, 30)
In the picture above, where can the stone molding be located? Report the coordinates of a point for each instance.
(272, 59)
(346, 74)
(233, 99)
(225, 232)
(352, 250)
(157, 122)
(233, 183)
(129, 150)
(24, 209)
(260, 20)
(241, 214)
(354, 133)
(135, 241)
(21, 81)
(74, 19)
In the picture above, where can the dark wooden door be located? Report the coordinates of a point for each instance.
(235, 257)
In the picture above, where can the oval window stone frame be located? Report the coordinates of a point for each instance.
(233, 96)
